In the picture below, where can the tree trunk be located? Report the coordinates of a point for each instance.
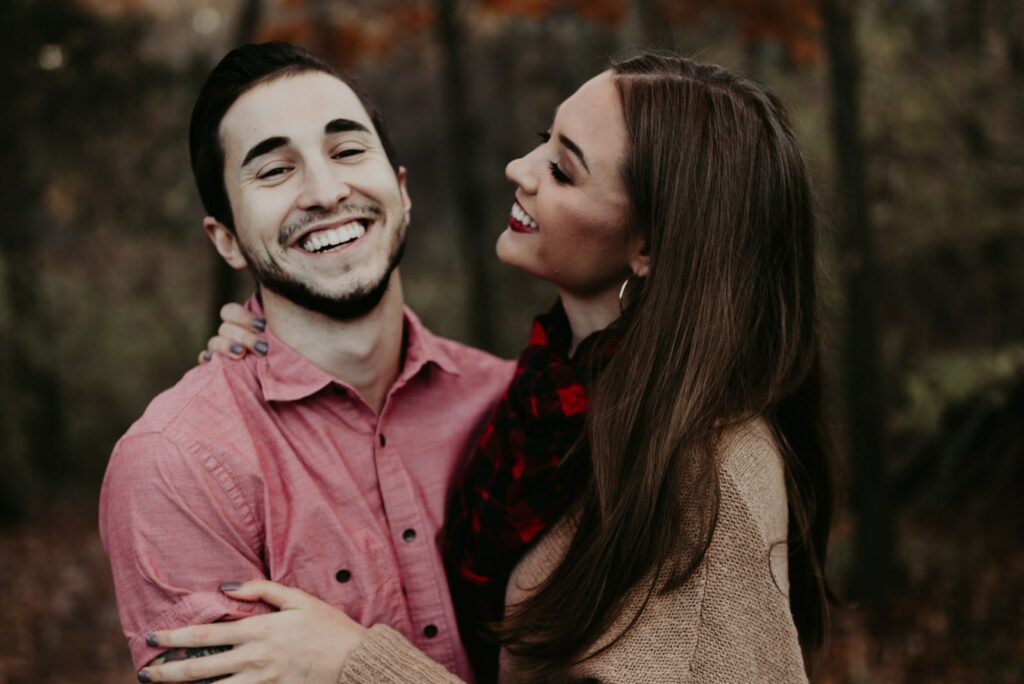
(864, 398)
(223, 277)
(463, 139)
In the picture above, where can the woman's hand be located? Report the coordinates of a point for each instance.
(307, 641)
(239, 331)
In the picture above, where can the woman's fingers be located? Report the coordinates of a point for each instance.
(196, 668)
(240, 332)
(241, 339)
(242, 317)
(200, 636)
(277, 595)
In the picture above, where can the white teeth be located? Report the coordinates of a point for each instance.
(519, 214)
(335, 236)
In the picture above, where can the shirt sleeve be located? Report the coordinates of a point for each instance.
(175, 525)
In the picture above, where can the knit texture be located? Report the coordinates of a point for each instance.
(730, 622)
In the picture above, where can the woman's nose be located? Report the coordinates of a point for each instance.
(519, 172)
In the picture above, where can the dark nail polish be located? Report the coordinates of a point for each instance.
(144, 677)
(236, 348)
(260, 347)
(230, 586)
(259, 325)
(151, 640)
(207, 355)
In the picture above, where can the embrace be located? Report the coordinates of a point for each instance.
(335, 494)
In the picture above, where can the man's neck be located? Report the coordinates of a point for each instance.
(588, 314)
(365, 354)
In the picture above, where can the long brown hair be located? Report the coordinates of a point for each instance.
(722, 330)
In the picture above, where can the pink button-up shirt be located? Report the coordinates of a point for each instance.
(269, 467)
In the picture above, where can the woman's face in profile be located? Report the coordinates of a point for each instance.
(569, 221)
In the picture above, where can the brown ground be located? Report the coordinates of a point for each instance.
(954, 623)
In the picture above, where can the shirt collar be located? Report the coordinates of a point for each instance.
(286, 375)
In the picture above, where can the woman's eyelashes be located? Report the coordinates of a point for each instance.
(560, 176)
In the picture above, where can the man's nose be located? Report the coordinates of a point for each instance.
(322, 187)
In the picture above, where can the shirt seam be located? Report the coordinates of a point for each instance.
(225, 479)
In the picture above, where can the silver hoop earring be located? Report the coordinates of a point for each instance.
(622, 295)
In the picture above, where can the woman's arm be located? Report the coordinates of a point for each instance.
(307, 641)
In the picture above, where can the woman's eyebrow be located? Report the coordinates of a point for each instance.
(575, 149)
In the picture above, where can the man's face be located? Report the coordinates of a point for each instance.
(320, 215)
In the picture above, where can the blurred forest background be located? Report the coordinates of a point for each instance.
(910, 113)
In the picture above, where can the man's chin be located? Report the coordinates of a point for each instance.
(349, 306)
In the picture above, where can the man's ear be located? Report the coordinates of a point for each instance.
(225, 241)
(406, 202)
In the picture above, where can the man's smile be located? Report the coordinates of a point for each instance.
(333, 236)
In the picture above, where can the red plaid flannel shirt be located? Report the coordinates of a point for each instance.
(520, 481)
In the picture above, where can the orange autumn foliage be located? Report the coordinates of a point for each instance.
(607, 12)
(368, 33)
(353, 35)
(524, 9)
(793, 24)
(298, 32)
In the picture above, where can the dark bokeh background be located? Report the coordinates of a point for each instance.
(910, 116)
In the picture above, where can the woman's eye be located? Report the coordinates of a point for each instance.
(559, 175)
(544, 136)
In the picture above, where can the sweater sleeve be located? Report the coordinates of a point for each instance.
(386, 657)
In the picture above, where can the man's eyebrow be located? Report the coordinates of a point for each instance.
(263, 147)
(575, 149)
(345, 126)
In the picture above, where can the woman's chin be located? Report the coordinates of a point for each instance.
(508, 252)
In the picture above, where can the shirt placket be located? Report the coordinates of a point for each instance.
(413, 541)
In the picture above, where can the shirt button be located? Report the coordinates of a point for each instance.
(382, 440)
(343, 576)
(409, 535)
(430, 631)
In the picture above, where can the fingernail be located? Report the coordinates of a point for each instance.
(151, 640)
(144, 677)
(260, 347)
(207, 355)
(259, 325)
(230, 586)
(236, 348)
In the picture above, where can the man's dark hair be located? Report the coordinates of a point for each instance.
(241, 70)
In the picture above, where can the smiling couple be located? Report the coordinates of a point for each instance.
(338, 495)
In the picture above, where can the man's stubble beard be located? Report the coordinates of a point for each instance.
(347, 307)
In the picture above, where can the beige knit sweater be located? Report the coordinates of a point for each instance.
(729, 623)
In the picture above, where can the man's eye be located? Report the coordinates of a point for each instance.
(276, 171)
(348, 152)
